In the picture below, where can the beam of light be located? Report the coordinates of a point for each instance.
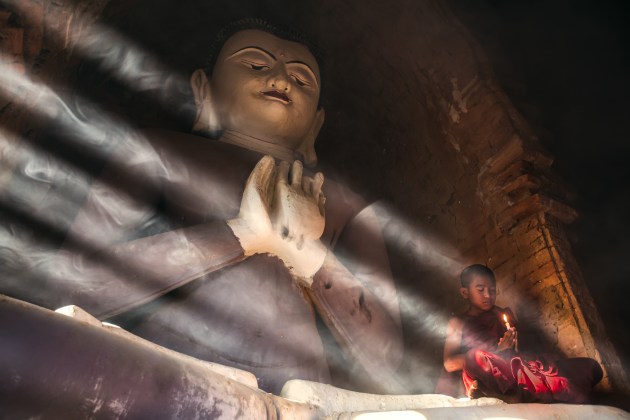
(44, 176)
(100, 136)
(97, 133)
(110, 139)
(40, 175)
(423, 250)
(423, 317)
(406, 238)
(426, 249)
(36, 182)
(9, 155)
(59, 277)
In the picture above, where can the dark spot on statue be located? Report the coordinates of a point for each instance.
(364, 308)
(214, 412)
(327, 285)
(285, 232)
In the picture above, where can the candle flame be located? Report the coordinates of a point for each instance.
(505, 317)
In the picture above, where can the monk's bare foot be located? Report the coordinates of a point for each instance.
(474, 391)
(511, 397)
(478, 390)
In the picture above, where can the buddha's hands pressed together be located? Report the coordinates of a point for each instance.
(282, 213)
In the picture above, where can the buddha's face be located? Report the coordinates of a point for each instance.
(266, 87)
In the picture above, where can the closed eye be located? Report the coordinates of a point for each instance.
(255, 66)
(300, 81)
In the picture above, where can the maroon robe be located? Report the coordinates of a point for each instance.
(524, 377)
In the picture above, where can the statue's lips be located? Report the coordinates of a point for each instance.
(277, 95)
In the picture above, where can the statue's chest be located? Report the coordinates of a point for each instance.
(204, 184)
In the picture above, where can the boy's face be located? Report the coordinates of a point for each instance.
(266, 87)
(482, 293)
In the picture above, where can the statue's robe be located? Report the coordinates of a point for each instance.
(250, 314)
(528, 377)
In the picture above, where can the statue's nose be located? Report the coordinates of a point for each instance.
(279, 78)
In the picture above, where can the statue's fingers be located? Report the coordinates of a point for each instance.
(318, 181)
(268, 173)
(257, 188)
(283, 172)
(261, 172)
(307, 184)
(296, 173)
(321, 203)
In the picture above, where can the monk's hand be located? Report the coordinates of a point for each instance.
(508, 341)
(282, 213)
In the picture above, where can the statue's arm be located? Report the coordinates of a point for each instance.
(281, 214)
(100, 270)
(356, 297)
(128, 274)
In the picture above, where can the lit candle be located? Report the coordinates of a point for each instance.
(507, 323)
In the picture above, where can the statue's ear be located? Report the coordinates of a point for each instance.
(206, 120)
(464, 292)
(307, 148)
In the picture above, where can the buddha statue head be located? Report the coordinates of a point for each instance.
(264, 88)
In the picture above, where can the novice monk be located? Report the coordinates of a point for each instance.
(483, 344)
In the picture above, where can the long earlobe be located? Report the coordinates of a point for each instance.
(307, 148)
(206, 120)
